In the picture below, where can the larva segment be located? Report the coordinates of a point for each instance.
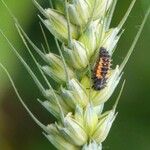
(101, 69)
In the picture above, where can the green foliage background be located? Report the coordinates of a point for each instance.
(131, 129)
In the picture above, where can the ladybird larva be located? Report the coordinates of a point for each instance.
(101, 69)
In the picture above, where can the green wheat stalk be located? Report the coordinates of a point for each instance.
(80, 28)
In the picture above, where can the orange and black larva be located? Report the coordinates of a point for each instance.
(101, 69)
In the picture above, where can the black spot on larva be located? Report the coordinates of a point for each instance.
(101, 69)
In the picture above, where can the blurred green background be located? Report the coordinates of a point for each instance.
(131, 129)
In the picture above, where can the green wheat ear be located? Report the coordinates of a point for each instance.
(80, 28)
